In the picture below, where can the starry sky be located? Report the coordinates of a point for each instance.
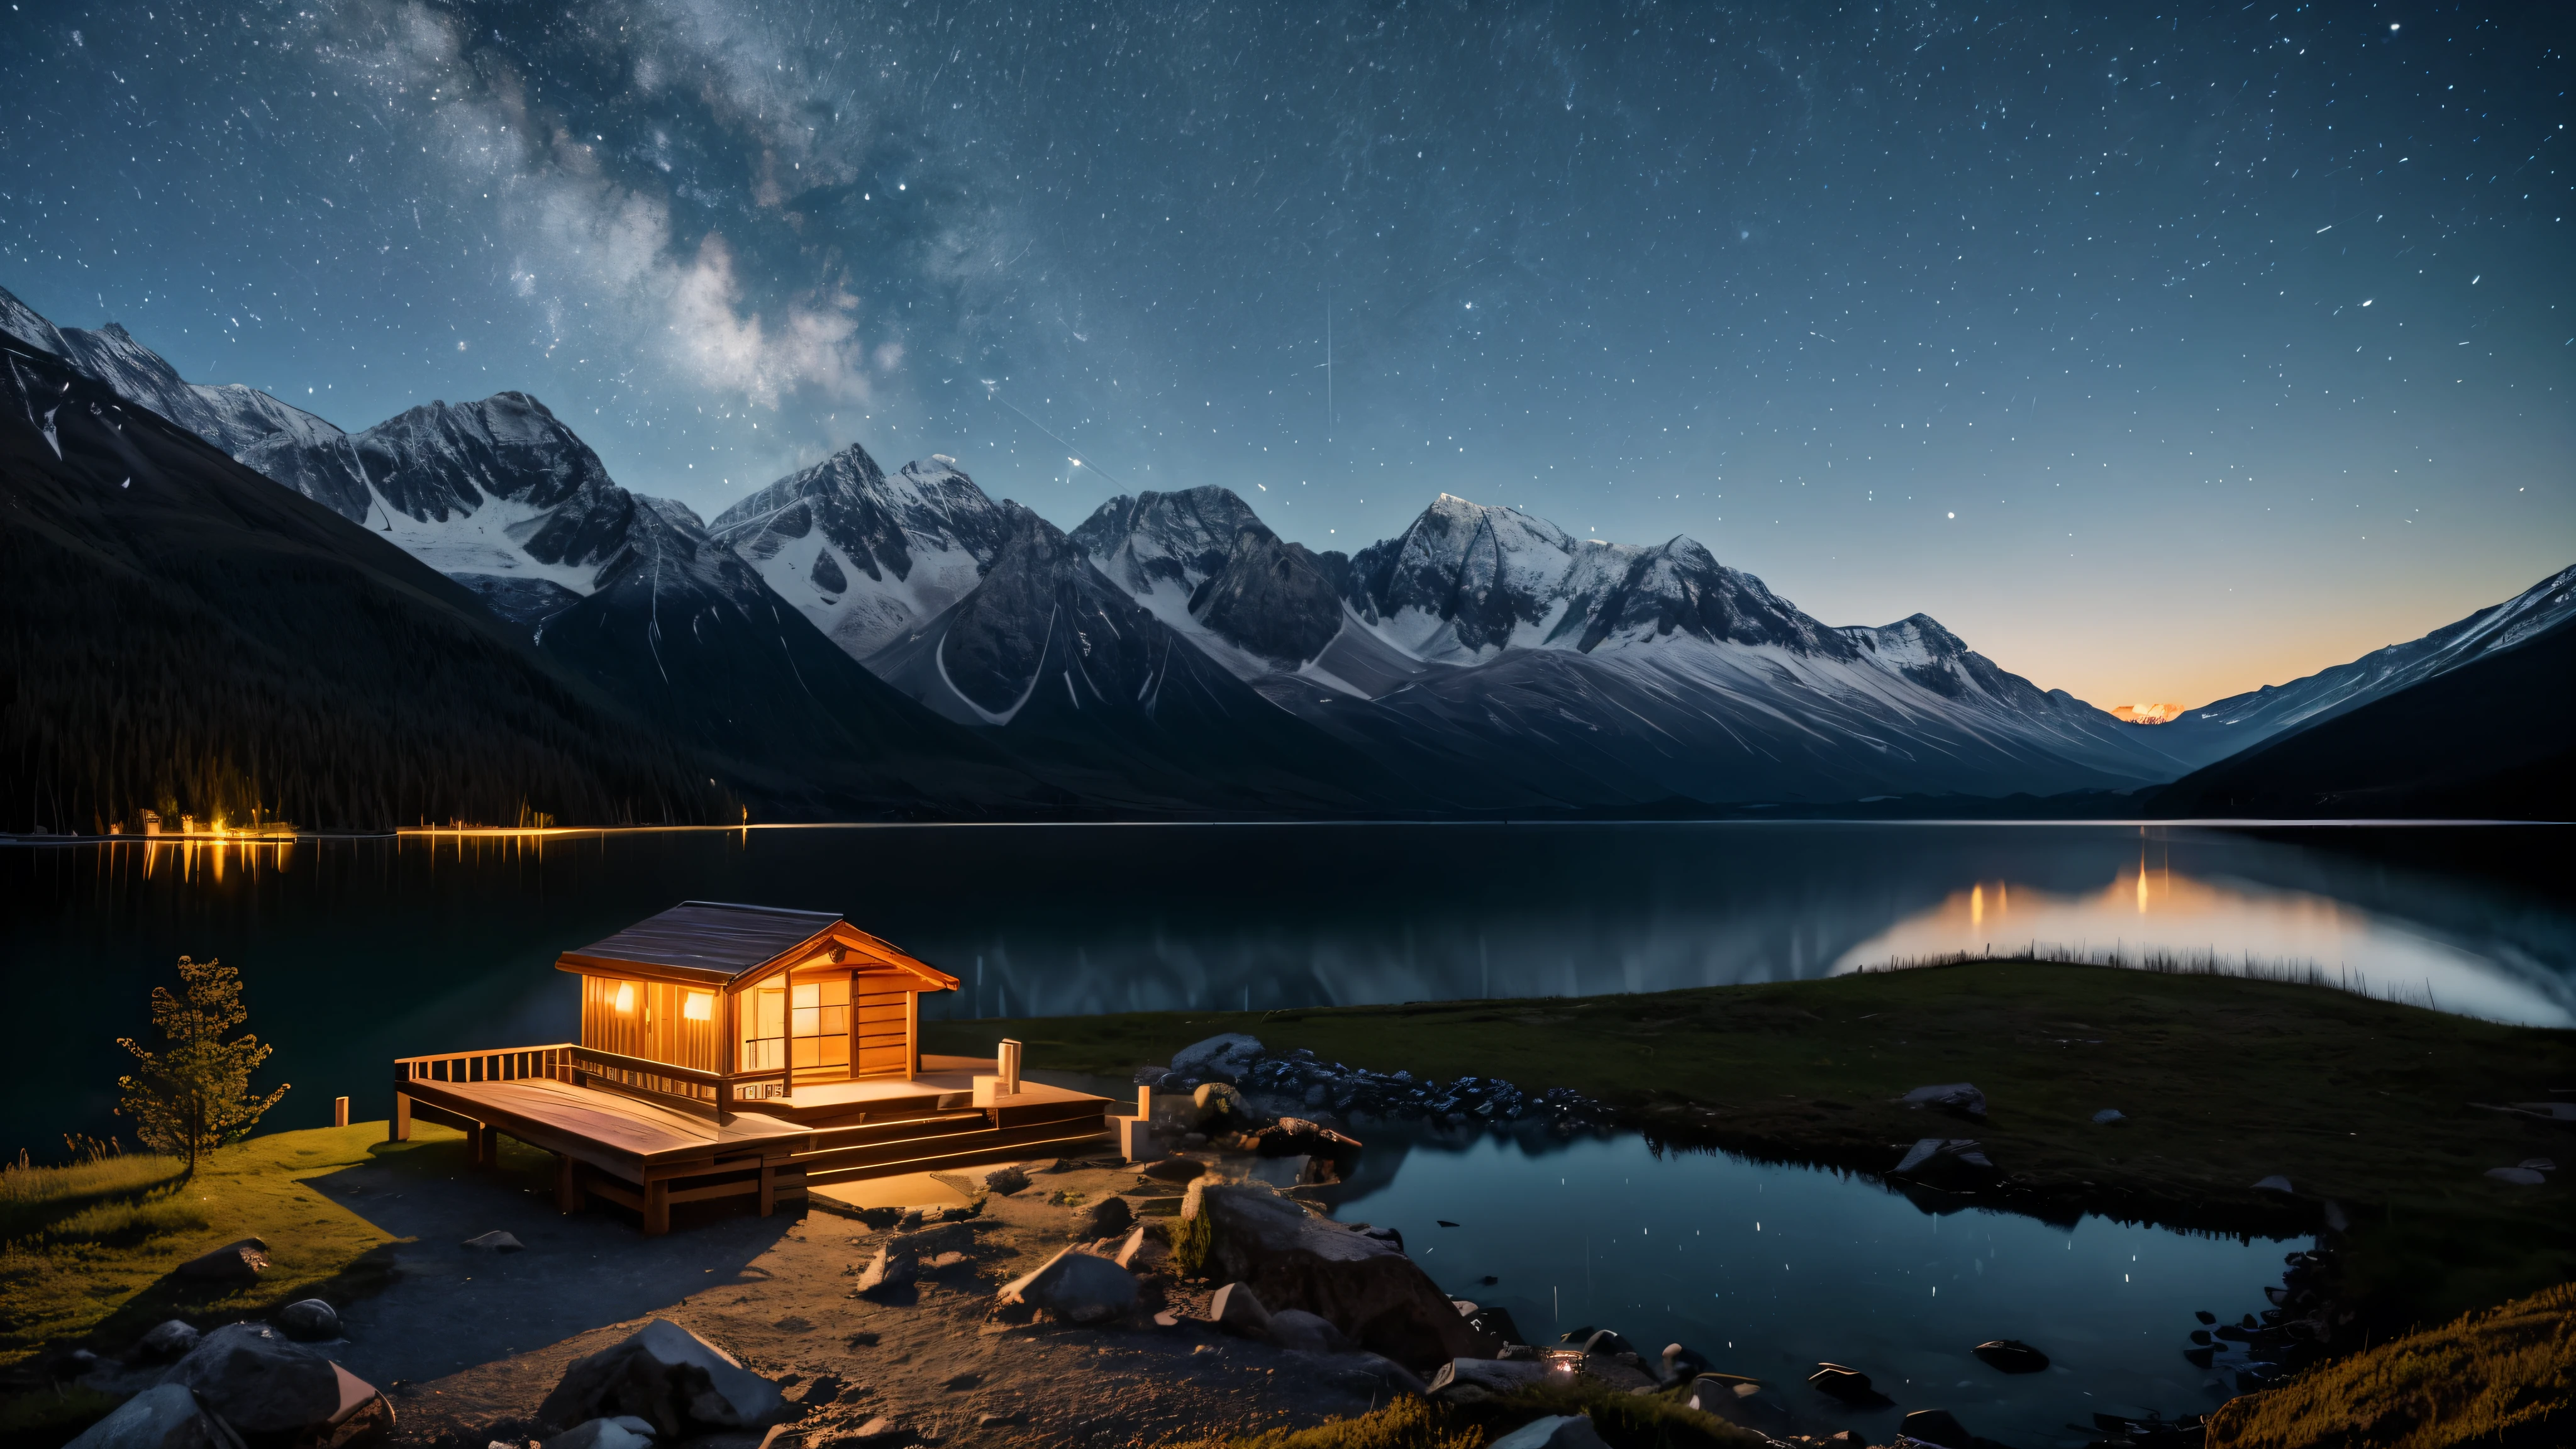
(2159, 352)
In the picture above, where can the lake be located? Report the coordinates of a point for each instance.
(354, 952)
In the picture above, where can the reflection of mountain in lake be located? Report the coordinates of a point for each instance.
(2150, 911)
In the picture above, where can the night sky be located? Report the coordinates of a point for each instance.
(2158, 354)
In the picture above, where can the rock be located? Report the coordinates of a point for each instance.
(875, 1432)
(1363, 1286)
(1936, 1426)
(1495, 1321)
(1151, 1076)
(1962, 1098)
(1556, 1431)
(2109, 1115)
(240, 1262)
(938, 1238)
(164, 1416)
(2011, 1355)
(1683, 1362)
(308, 1320)
(667, 1376)
(2541, 1164)
(2275, 1183)
(602, 1434)
(1296, 1328)
(1075, 1286)
(1143, 1250)
(1392, 1237)
(273, 1392)
(1217, 1107)
(1107, 1218)
(1942, 1156)
(2521, 1176)
(495, 1241)
(1173, 1169)
(168, 1342)
(1231, 1053)
(1607, 1341)
(1376, 1373)
(1003, 1180)
(1624, 1372)
(1740, 1400)
(1474, 1380)
(1237, 1309)
(892, 1267)
(1849, 1385)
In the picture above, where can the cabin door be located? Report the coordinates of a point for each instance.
(804, 1019)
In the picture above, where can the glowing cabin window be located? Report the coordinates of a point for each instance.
(698, 1006)
(625, 998)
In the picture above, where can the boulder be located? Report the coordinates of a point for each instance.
(1003, 1180)
(1556, 1431)
(1375, 1373)
(2520, 1176)
(1936, 1426)
(164, 1416)
(1961, 1098)
(1363, 1286)
(1849, 1385)
(1075, 1286)
(168, 1342)
(275, 1393)
(1216, 1107)
(2011, 1355)
(1474, 1380)
(1107, 1218)
(2275, 1183)
(1237, 1309)
(603, 1434)
(670, 1378)
(1143, 1251)
(240, 1262)
(1740, 1400)
(1231, 1054)
(495, 1241)
(1495, 1320)
(877, 1431)
(1296, 1328)
(309, 1320)
(2109, 1115)
(1683, 1362)
(891, 1267)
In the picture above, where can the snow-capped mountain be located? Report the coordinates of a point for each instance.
(231, 417)
(1579, 672)
(2239, 722)
(1046, 649)
(864, 555)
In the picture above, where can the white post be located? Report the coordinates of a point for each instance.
(1007, 1067)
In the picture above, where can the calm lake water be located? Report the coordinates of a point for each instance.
(1769, 1270)
(356, 952)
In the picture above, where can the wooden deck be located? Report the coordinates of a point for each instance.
(618, 1143)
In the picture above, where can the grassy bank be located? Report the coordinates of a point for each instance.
(2225, 1081)
(2503, 1378)
(89, 1247)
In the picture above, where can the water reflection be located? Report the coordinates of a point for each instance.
(2150, 912)
(1769, 1270)
(355, 952)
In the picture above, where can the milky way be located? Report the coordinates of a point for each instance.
(2159, 355)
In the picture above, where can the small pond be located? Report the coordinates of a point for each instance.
(1768, 1270)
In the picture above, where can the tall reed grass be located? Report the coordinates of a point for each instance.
(103, 1194)
(2211, 962)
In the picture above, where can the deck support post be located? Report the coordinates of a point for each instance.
(568, 1194)
(483, 1146)
(657, 1207)
(768, 1187)
(398, 1126)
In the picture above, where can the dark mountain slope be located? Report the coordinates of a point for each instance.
(2492, 738)
(182, 632)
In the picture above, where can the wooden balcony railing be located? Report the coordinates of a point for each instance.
(687, 1088)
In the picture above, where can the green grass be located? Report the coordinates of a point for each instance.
(2503, 1378)
(1623, 1420)
(31, 1197)
(91, 1246)
(2225, 1080)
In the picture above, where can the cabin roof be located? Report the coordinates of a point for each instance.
(718, 943)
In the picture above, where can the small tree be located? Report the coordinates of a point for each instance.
(194, 1096)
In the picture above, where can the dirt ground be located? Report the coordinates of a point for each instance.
(467, 1342)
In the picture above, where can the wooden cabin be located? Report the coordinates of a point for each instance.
(760, 997)
(742, 1050)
